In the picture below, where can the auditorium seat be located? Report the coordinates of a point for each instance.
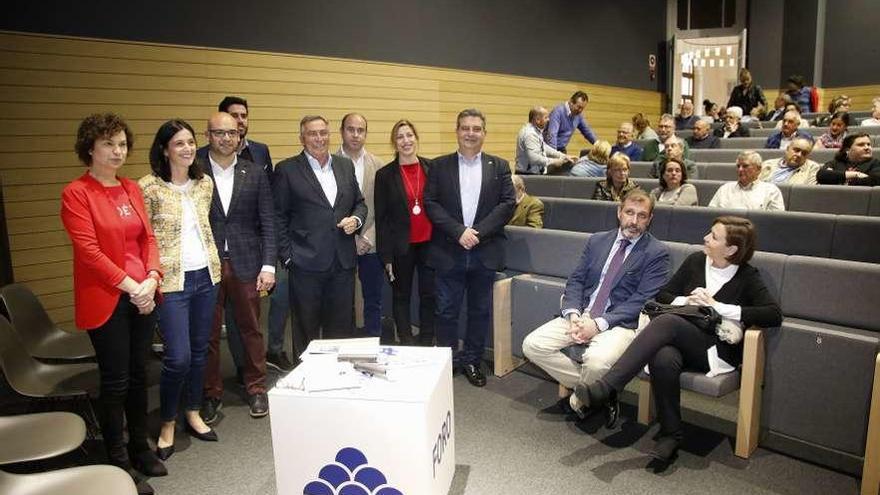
(839, 200)
(820, 365)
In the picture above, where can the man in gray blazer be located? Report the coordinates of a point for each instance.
(533, 155)
(618, 271)
(370, 271)
(318, 209)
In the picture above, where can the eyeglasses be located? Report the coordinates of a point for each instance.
(220, 133)
(313, 134)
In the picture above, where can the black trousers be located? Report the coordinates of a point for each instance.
(322, 304)
(405, 267)
(122, 345)
(668, 345)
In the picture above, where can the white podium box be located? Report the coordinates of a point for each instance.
(385, 438)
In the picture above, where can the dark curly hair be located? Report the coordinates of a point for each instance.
(159, 162)
(95, 127)
(662, 172)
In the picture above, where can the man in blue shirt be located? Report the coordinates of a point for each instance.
(565, 118)
(625, 143)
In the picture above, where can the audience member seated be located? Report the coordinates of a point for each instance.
(747, 192)
(732, 127)
(617, 182)
(789, 130)
(529, 209)
(719, 277)
(674, 149)
(799, 92)
(836, 133)
(853, 165)
(642, 127)
(595, 162)
(779, 105)
(533, 155)
(710, 110)
(685, 118)
(839, 103)
(674, 189)
(793, 167)
(875, 114)
(702, 138)
(793, 107)
(618, 272)
(565, 118)
(657, 147)
(747, 95)
(625, 143)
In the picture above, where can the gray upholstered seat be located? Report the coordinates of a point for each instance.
(716, 386)
(840, 200)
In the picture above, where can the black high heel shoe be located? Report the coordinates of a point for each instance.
(208, 436)
(163, 453)
(147, 463)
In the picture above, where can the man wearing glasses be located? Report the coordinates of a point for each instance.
(318, 208)
(242, 222)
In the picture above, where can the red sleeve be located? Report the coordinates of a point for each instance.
(80, 228)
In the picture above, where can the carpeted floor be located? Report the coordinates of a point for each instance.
(504, 445)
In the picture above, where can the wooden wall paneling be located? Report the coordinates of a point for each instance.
(49, 83)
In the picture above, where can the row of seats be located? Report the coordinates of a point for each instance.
(770, 128)
(837, 200)
(843, 237)
(756, 143)
(826, 351)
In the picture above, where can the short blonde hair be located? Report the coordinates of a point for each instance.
(600, 152)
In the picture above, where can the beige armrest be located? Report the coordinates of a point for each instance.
(748, 423)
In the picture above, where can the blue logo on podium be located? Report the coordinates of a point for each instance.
(350, 474)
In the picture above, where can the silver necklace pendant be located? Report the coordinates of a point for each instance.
(416, 209)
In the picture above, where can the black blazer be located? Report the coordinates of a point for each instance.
(494, 209)
(307, 233)
(392, 210)
(249, 226)
(746, 289)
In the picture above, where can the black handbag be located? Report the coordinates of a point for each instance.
(704, 317)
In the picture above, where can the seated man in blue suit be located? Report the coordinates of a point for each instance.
(618, 271)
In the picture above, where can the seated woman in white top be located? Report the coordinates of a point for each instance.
(719, 277)
(875, 114)
(595, 162)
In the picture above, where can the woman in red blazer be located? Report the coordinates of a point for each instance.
(115, 276)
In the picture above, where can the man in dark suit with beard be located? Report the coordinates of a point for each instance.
(469, 198)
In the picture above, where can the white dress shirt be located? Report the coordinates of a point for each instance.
(325, 177)
(758, 195)
(470, 180)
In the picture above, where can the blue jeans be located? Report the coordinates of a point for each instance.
(279, 311)
(467, 275)
(372, 275)
(186, 326)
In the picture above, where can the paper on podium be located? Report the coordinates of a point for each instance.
(321, 373)
(366, 348)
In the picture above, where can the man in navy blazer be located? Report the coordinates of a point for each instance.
(242, 219)
(469, 198)
(318, 209)
(618, 271)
